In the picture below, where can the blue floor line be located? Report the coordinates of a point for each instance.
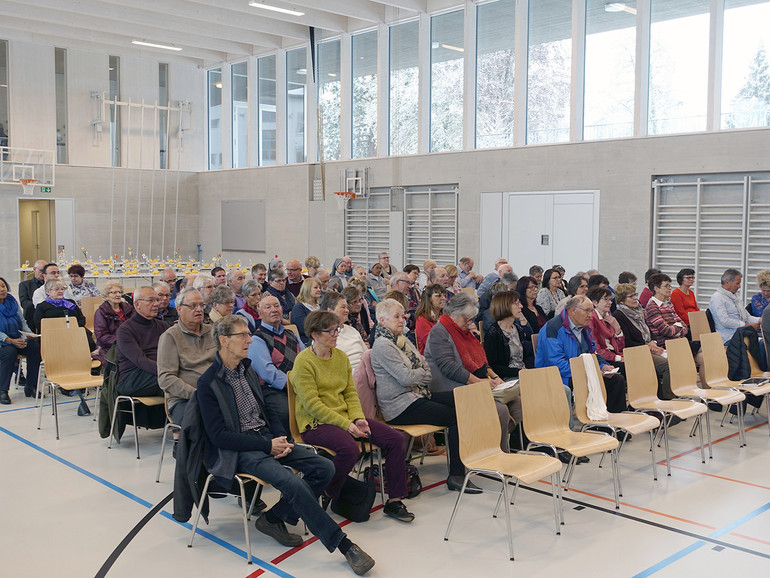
(58, 403)
(242, 553)
(699, 544)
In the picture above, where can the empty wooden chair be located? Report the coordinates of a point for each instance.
(699, 324)
(479, 432)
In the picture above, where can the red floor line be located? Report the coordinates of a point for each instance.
(727, 437)
(722, 478)
(312, 540)
(737, 535)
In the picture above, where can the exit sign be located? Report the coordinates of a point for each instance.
(45, 189)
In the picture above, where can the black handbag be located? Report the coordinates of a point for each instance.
(356, 498)
(413, 481)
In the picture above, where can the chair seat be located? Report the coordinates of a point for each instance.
(77, 381)
(681, 408)
(150, 401)
(526, 468)
(633, 423)
(761, 390)
(579, 443)
(419, 429)
(722, 396)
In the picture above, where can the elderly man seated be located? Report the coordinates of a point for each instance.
(185, 352)
(243, 435)
(323, 277)
(726, 307)
(294, 277)
(166, 313)
(466, 276)
(272, 353)
(137, 343)
(567, 336)
(501, 266)
(423, 279)
(276, 279)
(235, 279)
(439, 276)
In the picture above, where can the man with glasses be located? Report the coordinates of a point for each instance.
(387, 269)
(466, 276)
(137, 343)
(243, 434)
(27, 289)
(294, 278)
(166, 313)
(276, 279)
(50, 271)
(272, 353)
(235, 279)
(185, 352)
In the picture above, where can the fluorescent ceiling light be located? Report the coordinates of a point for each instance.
(155, 45)
(276, 9)
(619, 7)
(333, 75)
(455, 48)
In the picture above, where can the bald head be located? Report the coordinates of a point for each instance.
(503, 269)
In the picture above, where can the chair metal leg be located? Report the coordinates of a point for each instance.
(112, 423)
(507, 515)
(515, 488)
(652, 450)
(55, 408)
(166, 428)
(382, 476)
(497, 505)
(136, 429)
(244, 514)
(700, 433)
(97, 397)
(424, 448)
(198, 509)
(554, 495)
(39, 401)
(615, 477)
(568, 473)
(457, 505)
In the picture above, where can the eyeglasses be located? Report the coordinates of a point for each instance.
(279, 280)
(666, 286)
(164, 295)
(591, 310)
(332, 331)
(241, 334)
(293, 269)
(231, 302)
(149, 300)
(194, 305)
(606, 298)
(115, 292)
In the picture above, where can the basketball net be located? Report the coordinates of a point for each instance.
(28, 185)
(342, 199)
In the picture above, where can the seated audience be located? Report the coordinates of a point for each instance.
(762, 299)
(294, 277)
(577, 285)
(55, 305)
(645, 295)
(501, 266)
(627, 277)
(235, 279)
(527, 289)
(220, 276)
(465, 276)
(167, 314)
(357, 318)
(323, 278)
(456, 357)
(276, 280)
(413, 271)
(222, 301)
(536, 272)
(605, 329)
(376, 282)
(185, 352)
(137, 344)
(427, 313)
(387, 269)
(245, 436)
(508, 341)
(453, 285)
(329, 413)
(683, 297)
(50, 272)
(423, 279)
(13, 344)
(339, 280)
(252, 292)
(27, 290)
(660, 314)
(549, 296)
(79, 287)
(349, 340)
(311, 266)
(726, 307)
(307, 301)
(359, 273)
(403, 386)
(630, 317)
(109, 316)
(507, 282)
(259, 273)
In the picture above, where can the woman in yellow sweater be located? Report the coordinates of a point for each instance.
(329, 413)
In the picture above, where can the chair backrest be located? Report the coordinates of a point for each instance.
(580, 386)
(715, 365)
(54, 323)
(544, 406)
(699, 324)
(641, 379)
(477, 422)
(755, 369)
(470, 290)
(292, 411)
(535, 337)
(291, 327)
(89, 305)
(681, 365)
(66, 353)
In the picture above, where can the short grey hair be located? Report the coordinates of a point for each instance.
(250, 286)
(107, 287)
(181, 297)
(730, 275)
(509, 278)
(200, 280)
(321, 271)
(396, 277)
(387, 306)
(232, 273)
(221, 294)
(51, 283)
(575, 301)
(227, 326)
(161, 285)
(274, 274)
(462, 304)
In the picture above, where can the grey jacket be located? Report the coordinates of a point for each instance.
(398, 385)
(444, 360)
(183, 357)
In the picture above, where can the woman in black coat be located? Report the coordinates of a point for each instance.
(508, 343)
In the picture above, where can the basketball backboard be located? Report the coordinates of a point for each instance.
(17, 164)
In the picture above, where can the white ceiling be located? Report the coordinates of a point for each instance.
(208, 31)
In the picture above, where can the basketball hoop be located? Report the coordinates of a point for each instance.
(342, 199)
(28, 185)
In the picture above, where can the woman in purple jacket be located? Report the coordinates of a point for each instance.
(109, 316)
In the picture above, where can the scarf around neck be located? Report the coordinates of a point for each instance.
(383, 332)
(636, 317)
(471, 351)
(10, 321)
(66, 303)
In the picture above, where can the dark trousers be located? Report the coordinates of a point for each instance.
(348, 450)
(299, 495)
(278, 401)
(8, 355)
(438, 410)
(139, 383)
(616, 393)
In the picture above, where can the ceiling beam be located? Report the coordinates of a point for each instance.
(316, 17)
(413, 5)
(360, 9)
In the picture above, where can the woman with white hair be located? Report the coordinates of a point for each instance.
(403, 385)
(456, 357)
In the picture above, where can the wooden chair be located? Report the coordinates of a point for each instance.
(642, 382)
(756, 371)
(170, 425)
(150, 401)
(699, 324)
(291, 327)
(716, 369)
(89, 305)
(546, 422)
(68, 366)
(627, 421)
(535, 338)
(295, 433)
(684, 384)
(470, 290)
(479, 429)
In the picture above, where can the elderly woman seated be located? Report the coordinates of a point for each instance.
(456, 357)
(55, 305)
(329, 413)
(403, 386)
(13, 343)
(508, 342)
(762, 299)
(109, 316)
(252, 291)
(349, 340)
(79, 287)
(357, 317)
(307, 302)
(222, 301)
(605, 329)
(376, 282)
(339, 278)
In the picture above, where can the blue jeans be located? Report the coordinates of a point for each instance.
(299, 495)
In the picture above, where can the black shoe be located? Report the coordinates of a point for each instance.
(325, 501)
(565, 457)
(359, 561)
(674, 421)
(22, 380)
(173, 450)
(279, 532)
(259, 506)
(83, 409)
(396, 509)
(715, 406)
(4, 399)
(29, 392)
(625, 435)
(455, 484)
